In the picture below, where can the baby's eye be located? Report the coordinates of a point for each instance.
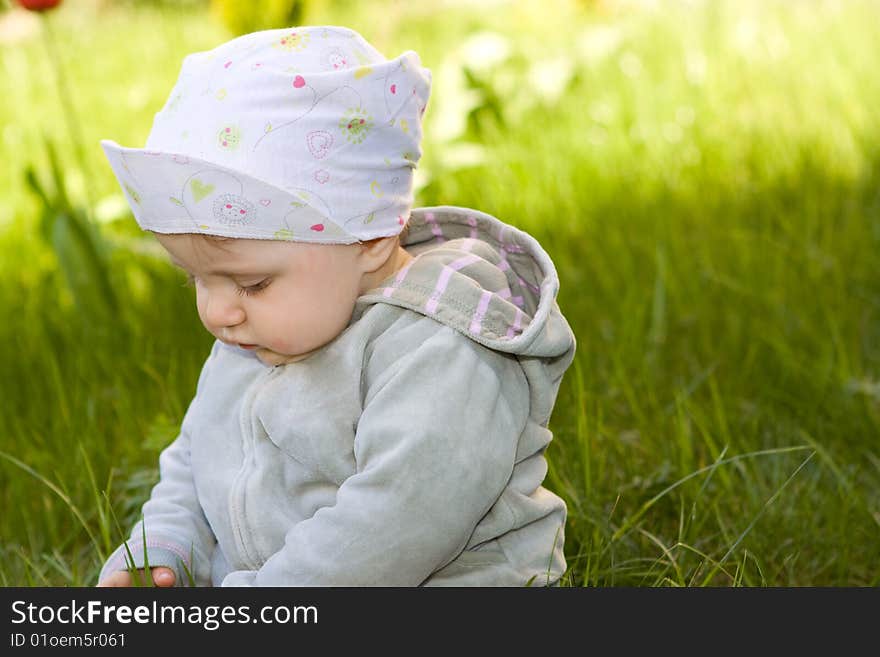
(254, 289)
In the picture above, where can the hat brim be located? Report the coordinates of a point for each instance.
(177, 193)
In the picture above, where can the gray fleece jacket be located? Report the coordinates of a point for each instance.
(408, 451)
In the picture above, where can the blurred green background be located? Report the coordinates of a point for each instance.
(704, 174)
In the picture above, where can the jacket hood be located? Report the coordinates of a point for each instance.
(486, 279)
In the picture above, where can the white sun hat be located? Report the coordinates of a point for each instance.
(306, 134)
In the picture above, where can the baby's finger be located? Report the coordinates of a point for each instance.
(163, 576)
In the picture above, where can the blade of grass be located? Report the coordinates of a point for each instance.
(129, 557)
(758, 515)
(60, 493)
(628, 524)
(666, 551)
(148, 574)
(100, 506)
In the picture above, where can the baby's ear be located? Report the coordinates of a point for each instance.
(376, 251)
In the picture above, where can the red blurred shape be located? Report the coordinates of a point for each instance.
(39, 5)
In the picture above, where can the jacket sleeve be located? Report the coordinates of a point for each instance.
(177, 532)
(434, 447)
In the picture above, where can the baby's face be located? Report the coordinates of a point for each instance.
(282, 300)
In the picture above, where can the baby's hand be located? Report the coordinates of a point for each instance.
(161, 577)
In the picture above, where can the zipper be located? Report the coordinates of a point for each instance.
(236, 504)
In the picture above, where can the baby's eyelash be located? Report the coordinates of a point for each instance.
(244, 291)
(250, 290)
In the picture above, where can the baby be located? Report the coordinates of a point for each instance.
(374, 409)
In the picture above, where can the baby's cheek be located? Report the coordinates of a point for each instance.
(200, 307)
(283, 344)
(287, 339)
(298, 337)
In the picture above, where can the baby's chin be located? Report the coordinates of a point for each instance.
(273, 358)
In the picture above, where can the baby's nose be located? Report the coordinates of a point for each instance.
(223, 309)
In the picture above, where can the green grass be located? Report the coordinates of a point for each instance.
(706, 181)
